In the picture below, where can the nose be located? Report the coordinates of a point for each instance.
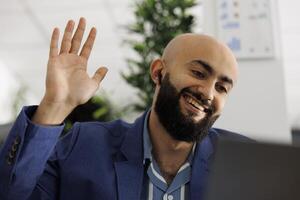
(207, 92)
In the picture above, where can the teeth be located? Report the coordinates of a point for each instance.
(194, 103)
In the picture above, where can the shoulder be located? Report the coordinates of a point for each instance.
(115, 128)
(222, 134)
(103, 136)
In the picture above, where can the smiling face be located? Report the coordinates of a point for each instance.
(197, 74)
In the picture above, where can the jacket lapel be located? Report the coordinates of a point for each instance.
(200, 167)
(130, 179)
(130, 171)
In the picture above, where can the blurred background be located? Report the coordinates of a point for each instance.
(131, 33)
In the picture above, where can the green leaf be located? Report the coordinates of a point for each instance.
(100, 112)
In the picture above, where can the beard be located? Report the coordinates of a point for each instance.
(180, 126)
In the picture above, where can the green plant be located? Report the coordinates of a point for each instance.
(156, 23)
(98, 108)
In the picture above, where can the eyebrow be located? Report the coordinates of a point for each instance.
(210, 70)
(227, 80)
(206, 66)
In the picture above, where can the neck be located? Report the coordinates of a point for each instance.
(169, 153)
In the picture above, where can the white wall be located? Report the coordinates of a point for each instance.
(9, 88)
(257, 106)
(290, 31)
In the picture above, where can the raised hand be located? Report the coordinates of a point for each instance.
(67, 83)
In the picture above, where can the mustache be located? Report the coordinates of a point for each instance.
(209, 108)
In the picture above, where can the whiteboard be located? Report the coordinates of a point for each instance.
(246, 27)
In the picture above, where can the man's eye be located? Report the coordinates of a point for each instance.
(199, 74)
(221, 89)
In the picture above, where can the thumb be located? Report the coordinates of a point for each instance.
(100, 74)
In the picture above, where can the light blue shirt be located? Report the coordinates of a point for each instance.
(157, 186)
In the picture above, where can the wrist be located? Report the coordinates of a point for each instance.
(51, 113)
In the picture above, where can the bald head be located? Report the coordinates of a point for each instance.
(190, 46)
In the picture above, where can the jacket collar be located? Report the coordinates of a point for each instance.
(131, 171)
(132, 146)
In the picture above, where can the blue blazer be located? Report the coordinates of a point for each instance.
(93, 161)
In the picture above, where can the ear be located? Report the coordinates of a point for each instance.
(156, 69)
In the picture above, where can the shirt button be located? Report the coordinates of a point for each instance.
(170, 197)
(165, 197)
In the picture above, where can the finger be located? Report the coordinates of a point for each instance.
(66, 41)
(54, 43)
(88, 45)
(76, 41)
(100, 74)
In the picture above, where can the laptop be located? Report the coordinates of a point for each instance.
(254, 171)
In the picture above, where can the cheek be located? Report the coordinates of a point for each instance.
(183, 81)
(219, 104)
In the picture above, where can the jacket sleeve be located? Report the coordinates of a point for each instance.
(24, 155)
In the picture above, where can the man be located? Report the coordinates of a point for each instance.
(164, 154)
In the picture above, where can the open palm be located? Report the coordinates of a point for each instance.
(67, 79)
